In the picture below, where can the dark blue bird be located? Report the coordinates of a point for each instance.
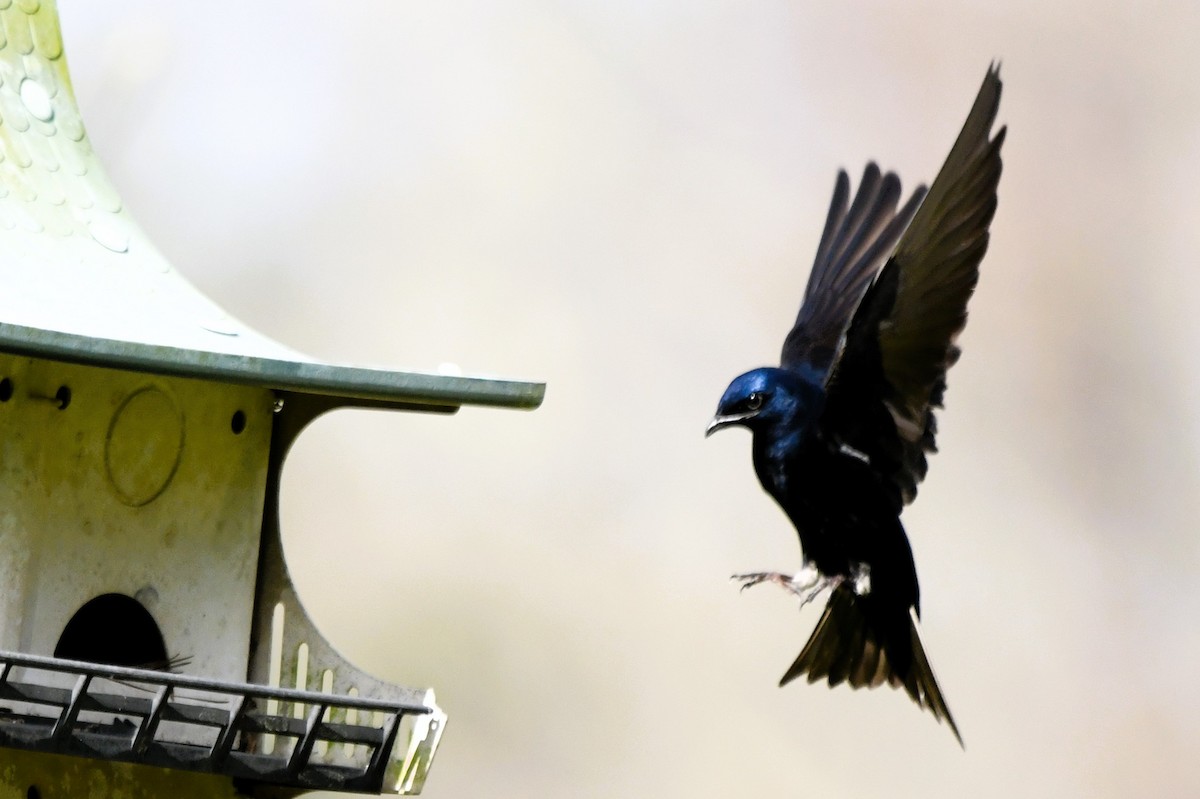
(842, 427)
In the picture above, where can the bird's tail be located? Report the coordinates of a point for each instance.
(853, 644)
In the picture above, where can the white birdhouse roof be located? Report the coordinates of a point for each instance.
(81, 282)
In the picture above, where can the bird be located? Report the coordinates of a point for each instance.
(842, 428)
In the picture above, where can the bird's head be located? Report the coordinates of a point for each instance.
(768, 399)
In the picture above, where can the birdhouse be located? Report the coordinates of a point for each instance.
(147, 618)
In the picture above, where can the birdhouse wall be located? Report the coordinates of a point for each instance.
(146, 486)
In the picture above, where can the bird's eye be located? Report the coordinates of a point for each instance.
(754, 401)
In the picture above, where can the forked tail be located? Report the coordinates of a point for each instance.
(854, 643)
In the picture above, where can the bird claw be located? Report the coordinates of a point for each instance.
(806, 584)
(754, 578)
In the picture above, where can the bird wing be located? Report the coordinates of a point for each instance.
(857, 238)
(891, 373)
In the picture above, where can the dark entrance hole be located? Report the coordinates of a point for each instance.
(116, 630)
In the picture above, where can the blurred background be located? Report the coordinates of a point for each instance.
(622, 199)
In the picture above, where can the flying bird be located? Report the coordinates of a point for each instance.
(842, 427)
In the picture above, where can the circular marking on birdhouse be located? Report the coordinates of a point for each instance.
(148, 596)
(36, 100)
(109, 235)
(144, 446)
(222, 325)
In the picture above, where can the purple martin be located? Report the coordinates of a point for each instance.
(842, 427)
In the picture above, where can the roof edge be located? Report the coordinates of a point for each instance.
(355, 384)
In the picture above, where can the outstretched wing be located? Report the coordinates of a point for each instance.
(856, 240)
(892, 371)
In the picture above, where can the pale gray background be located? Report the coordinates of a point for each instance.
(622, 199)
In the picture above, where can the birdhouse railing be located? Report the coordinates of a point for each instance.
(283, 737)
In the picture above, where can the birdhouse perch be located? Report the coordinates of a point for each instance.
(146, 613)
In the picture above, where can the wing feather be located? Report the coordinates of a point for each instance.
(857, 237)
(891, 373)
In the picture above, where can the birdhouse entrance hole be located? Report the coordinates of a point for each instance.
(116, 630)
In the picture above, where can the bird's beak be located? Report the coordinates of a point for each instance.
(725, 421)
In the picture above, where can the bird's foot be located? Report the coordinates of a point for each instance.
(808, 583)
(755, 578)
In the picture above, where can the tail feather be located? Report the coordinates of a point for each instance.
(872, 669)
(848, 656)
(847, 647)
